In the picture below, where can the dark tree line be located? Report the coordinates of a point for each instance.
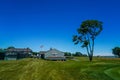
(77, 54)
(2, 54)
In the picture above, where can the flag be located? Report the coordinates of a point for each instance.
(41, 46)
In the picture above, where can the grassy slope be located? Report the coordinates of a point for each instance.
(80, 69)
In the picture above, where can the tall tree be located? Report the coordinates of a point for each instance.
(116, 51)
(87, 33)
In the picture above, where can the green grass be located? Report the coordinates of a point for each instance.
(78, 69)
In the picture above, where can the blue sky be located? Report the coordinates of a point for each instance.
(52, 23)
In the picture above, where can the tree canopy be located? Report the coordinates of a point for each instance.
(116, 51)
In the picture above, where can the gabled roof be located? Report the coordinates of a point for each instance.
(54, 51)
(19, 49)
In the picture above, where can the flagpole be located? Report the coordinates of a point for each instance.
(41, 47)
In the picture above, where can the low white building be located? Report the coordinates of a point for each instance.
(54, 54)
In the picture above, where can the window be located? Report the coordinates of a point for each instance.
(54, 54)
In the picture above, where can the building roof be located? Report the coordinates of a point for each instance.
(53, 50)
(50, 50)
(19, 49)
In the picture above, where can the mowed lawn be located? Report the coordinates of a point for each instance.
(77, 69)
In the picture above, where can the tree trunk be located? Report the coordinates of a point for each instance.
(91, 52)
(90, 57)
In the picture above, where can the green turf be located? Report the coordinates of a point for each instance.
(77, 69)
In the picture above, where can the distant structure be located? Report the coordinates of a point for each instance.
(42, 54)
(17, 53)
(12, 53)
(52, 54)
